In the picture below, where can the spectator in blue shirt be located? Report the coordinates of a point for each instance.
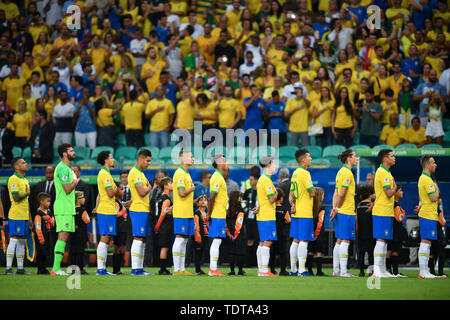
(163, 30)
(128, 30)
(255, 108)
(113, 12)
(275, 113)
(421, 10)
(359, 11)
(58, 86)
(321, 25)
(76, 90)
(168, 87)
(203, 187)
(423, 94)
(411, 66)
(85, 130)
(88, 79)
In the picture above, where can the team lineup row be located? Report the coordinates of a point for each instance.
(180, 212)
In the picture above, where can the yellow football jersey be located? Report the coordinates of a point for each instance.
(105, 181)
(426, 186)
(182, 207)
(384, 206)
(218, 185)
(18, 185)
(301, 183)
(265, 189)
(345, 179)
(138, 203)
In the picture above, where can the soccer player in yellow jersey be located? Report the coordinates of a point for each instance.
(428, 213)
(20, 222)
(301, 198)
(267, 196)
(217, 210)
(383, 211)
(344, 211)
(106, 209)
(139, 210)
(183, 211)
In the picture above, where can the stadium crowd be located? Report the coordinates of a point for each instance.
(307, 68)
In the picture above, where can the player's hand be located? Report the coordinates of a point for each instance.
(75, 178)
(127, 204)
(293, 209)
(333, 214)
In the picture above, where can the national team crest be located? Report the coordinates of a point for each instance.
(107, 181)
(216, 186)
(386, 180)
(64, 178)
(13, 186)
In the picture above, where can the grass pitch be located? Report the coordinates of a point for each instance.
(250, 287)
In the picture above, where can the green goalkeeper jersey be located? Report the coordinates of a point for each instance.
(64, 203)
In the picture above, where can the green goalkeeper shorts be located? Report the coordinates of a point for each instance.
(65, 223)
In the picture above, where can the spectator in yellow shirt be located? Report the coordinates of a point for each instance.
(297, 113)
(160, 111)
(228, 110)
(416, 133)
(389, 106)
(132, 112)
(393, 133)
(22, 124)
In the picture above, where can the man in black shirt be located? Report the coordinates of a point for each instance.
(224, 51)
(365, 233)
(41, 139)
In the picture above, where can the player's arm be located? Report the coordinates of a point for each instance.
(334, 210)
(211, 202)
(69, 187)
(272, 197)
(182, 192)
(390, 191)
(434, 194)
(17, 197)
(110, 188)
(141, 190)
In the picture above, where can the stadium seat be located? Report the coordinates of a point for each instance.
(56, 157)
(97, 150)
(82, 153)
(208, 153)
(16, 152)
(121, 141)
(446, 124)
(26, 154)
(363, 162)
(383, 146)
(240, 154)
(406, 146)
(314, 151)
(165, 155)
(432, 146)
(127, 153)
(331, 152)
(321, 163)
(262, 151)
(287, 153)
(359, 146)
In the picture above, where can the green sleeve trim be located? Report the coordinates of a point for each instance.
(388, 186)
(270, 194)
(138, 183)
(181, 187)
(309, 188)
(15, 192)
(346, 187)
(213, 191)
(431, 192)
(108, 187)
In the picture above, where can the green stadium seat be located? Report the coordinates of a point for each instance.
(363, 162)
(16, 152)
(432, 146)
(262, 151)
(359, 146)
(26, 154)
(82, 153)
(240, 154)
(383, 146)
(121, 141)
(165, 155)
(321, 163)
(314, 151)
(446, 124)
(56, 157)
(331, 152)
(287, 153)
(128, 153)
(99, 149)
(406, 146)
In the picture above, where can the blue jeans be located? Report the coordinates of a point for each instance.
(159, 139)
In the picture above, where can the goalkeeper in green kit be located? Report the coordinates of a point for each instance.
(64, 207)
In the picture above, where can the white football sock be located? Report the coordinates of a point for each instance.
(10, 252)
(20, 252)
(336, 261)
(135, 254)
(384, 257)
(294, 256)
(259, 259)
(183, 253)
(141, 257)
(265, 257)
(378, 253)
(214, 253)
(343, 256)
(102, 254)
(302, 254)
(176, 252)
(424, 255)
